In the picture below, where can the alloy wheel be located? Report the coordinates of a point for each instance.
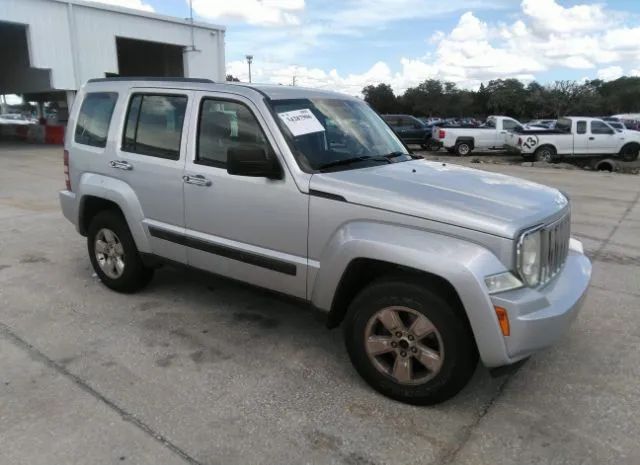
(109, 253)
(404, 345)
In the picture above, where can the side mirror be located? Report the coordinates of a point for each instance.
(252, 161)
(418, 126)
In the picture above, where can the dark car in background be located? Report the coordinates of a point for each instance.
(412, 131)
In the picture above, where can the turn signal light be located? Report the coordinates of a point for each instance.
(503, 320)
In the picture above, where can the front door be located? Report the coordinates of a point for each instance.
(150, 159)
(248, 228)
(603, 139)
(581, 139)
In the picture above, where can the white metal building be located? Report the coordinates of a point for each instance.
(51, 47)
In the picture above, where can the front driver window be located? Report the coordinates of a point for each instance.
(224, 125)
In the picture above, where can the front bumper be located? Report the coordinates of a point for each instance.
(539, 317)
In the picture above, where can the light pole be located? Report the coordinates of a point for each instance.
(249, 60)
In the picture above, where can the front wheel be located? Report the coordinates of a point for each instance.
(408, 343)
(630, 152)
(114, 255)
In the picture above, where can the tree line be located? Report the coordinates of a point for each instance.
(510, 97)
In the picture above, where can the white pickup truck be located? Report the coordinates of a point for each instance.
(491, 135)
(574, 137)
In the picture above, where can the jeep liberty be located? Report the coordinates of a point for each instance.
(427, 266)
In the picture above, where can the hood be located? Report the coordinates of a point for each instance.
(488, 202)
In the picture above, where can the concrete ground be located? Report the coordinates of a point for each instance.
(203, 371)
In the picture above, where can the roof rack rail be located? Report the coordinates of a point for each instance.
(152, 78)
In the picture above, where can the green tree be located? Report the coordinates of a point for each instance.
(381, 98)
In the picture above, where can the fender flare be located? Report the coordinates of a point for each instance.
(467, 140)
(461, 263)
(120, 193)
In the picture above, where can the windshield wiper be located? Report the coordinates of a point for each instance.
(349, 161)
(397, 154)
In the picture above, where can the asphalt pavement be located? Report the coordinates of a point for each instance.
(201, 370)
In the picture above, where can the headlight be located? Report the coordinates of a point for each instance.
(502, 282)
(529, 257)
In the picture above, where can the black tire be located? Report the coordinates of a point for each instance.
(459, 350)
(463, 149)
(629, 152)
(546, 153)
(135, 275)
(433, 146)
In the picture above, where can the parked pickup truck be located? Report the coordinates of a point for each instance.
(309, 193)
(575, 137)
(490, 136)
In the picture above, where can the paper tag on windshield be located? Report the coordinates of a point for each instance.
(301, 122)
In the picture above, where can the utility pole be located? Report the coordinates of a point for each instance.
(249, 61)
(293, 80)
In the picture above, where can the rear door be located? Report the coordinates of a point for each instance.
(603, 139)
(151, 160)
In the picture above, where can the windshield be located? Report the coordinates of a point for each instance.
(337, 133)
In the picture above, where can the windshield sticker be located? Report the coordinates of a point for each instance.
(301, 122)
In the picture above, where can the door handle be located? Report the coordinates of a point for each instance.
(196, 180)
(121, 165)
(592, 138)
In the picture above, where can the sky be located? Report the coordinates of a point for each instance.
(345, 45)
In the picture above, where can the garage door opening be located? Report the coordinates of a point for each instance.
(17, 76)
(144, 58)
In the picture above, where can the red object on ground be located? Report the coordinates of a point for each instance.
(54, 135)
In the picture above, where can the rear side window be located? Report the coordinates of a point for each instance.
(224, 125)
(581, 127)
(154, 125)
(92, 127)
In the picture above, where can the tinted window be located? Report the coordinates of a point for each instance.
(154, 125)
(564, 125)
(224, 125)
(94, 118)
(598, 127)
(581, 127)
(508, 124)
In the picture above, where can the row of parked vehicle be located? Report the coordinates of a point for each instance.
(546, 140)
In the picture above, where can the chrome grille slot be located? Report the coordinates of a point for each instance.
(555, 248)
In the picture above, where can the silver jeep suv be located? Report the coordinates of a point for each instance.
(427, 266)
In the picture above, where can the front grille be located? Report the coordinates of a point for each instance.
(555, 247)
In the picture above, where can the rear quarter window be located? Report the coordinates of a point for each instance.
(94, 118)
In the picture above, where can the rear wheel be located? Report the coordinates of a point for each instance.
(114, 255)
(546, 154)
(408, 343)
(463, 149)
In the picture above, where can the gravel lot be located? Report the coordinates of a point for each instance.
(200, 370)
